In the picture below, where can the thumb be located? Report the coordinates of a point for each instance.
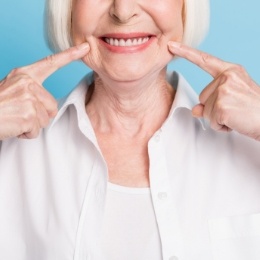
(197, 111)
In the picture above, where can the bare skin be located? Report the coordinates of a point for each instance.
(129, 120)
(229, 102)
(25, 106)
(232, 100)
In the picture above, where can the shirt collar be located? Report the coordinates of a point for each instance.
(185, 96)
(75, 98)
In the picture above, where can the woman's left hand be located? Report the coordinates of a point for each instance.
(232, 100)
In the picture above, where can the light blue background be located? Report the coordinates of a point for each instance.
(234, 36)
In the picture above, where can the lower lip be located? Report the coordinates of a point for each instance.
(127, 49)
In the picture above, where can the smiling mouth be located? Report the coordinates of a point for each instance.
(126, 42)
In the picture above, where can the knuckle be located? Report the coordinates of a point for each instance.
(230, 75)
(54, 109)
(45, 122)
(53, 113)
(222, 113)
(25, 81)
(27, 98)
(16, 72)
(29, 116)
(32, 134)
(18, 82)
(2, 82)
(239, 68)
(220, 106)
(223, 78)
(223, 91)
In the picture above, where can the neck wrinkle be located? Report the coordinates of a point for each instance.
(139, 108)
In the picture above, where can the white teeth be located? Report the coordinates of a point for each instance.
(126, 42)
(121, 42)
(140, 41)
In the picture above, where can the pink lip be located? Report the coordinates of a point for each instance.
(126, 49)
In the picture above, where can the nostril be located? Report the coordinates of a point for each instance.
(122, 16)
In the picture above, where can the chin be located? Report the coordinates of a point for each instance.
(127, 75)
(136, 73)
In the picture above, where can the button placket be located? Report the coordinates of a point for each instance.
(167, 219)
(93, 205)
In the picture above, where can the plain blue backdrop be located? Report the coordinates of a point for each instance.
(234, 36)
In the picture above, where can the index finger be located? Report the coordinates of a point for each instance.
(42, 69)
(214, 66)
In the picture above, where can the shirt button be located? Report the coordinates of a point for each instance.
(162, 195)
(157, 138)
(173, 258)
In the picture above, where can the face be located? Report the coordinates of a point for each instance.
(128, 38)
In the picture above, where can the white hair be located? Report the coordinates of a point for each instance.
(196, 21)
(58, 22)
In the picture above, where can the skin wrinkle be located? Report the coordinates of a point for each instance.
(130, 98)
(99, 58)
(110, 27)
(130, 114)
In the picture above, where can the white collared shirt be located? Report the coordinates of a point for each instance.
(205, 188)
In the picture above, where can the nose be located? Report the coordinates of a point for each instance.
(123, 11)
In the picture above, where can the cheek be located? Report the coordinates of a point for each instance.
(84, 22)
(169, 18)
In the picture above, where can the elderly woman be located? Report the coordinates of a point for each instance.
(129, 167)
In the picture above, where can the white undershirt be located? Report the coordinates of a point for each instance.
(130, 229)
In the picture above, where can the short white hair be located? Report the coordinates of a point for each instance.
(58, 22)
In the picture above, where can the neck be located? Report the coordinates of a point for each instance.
(130, 108)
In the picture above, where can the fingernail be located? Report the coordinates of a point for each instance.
(195, 114)
(175, 44)
(83, 46)
(197, 111)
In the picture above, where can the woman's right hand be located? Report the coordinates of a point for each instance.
(25, 106)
